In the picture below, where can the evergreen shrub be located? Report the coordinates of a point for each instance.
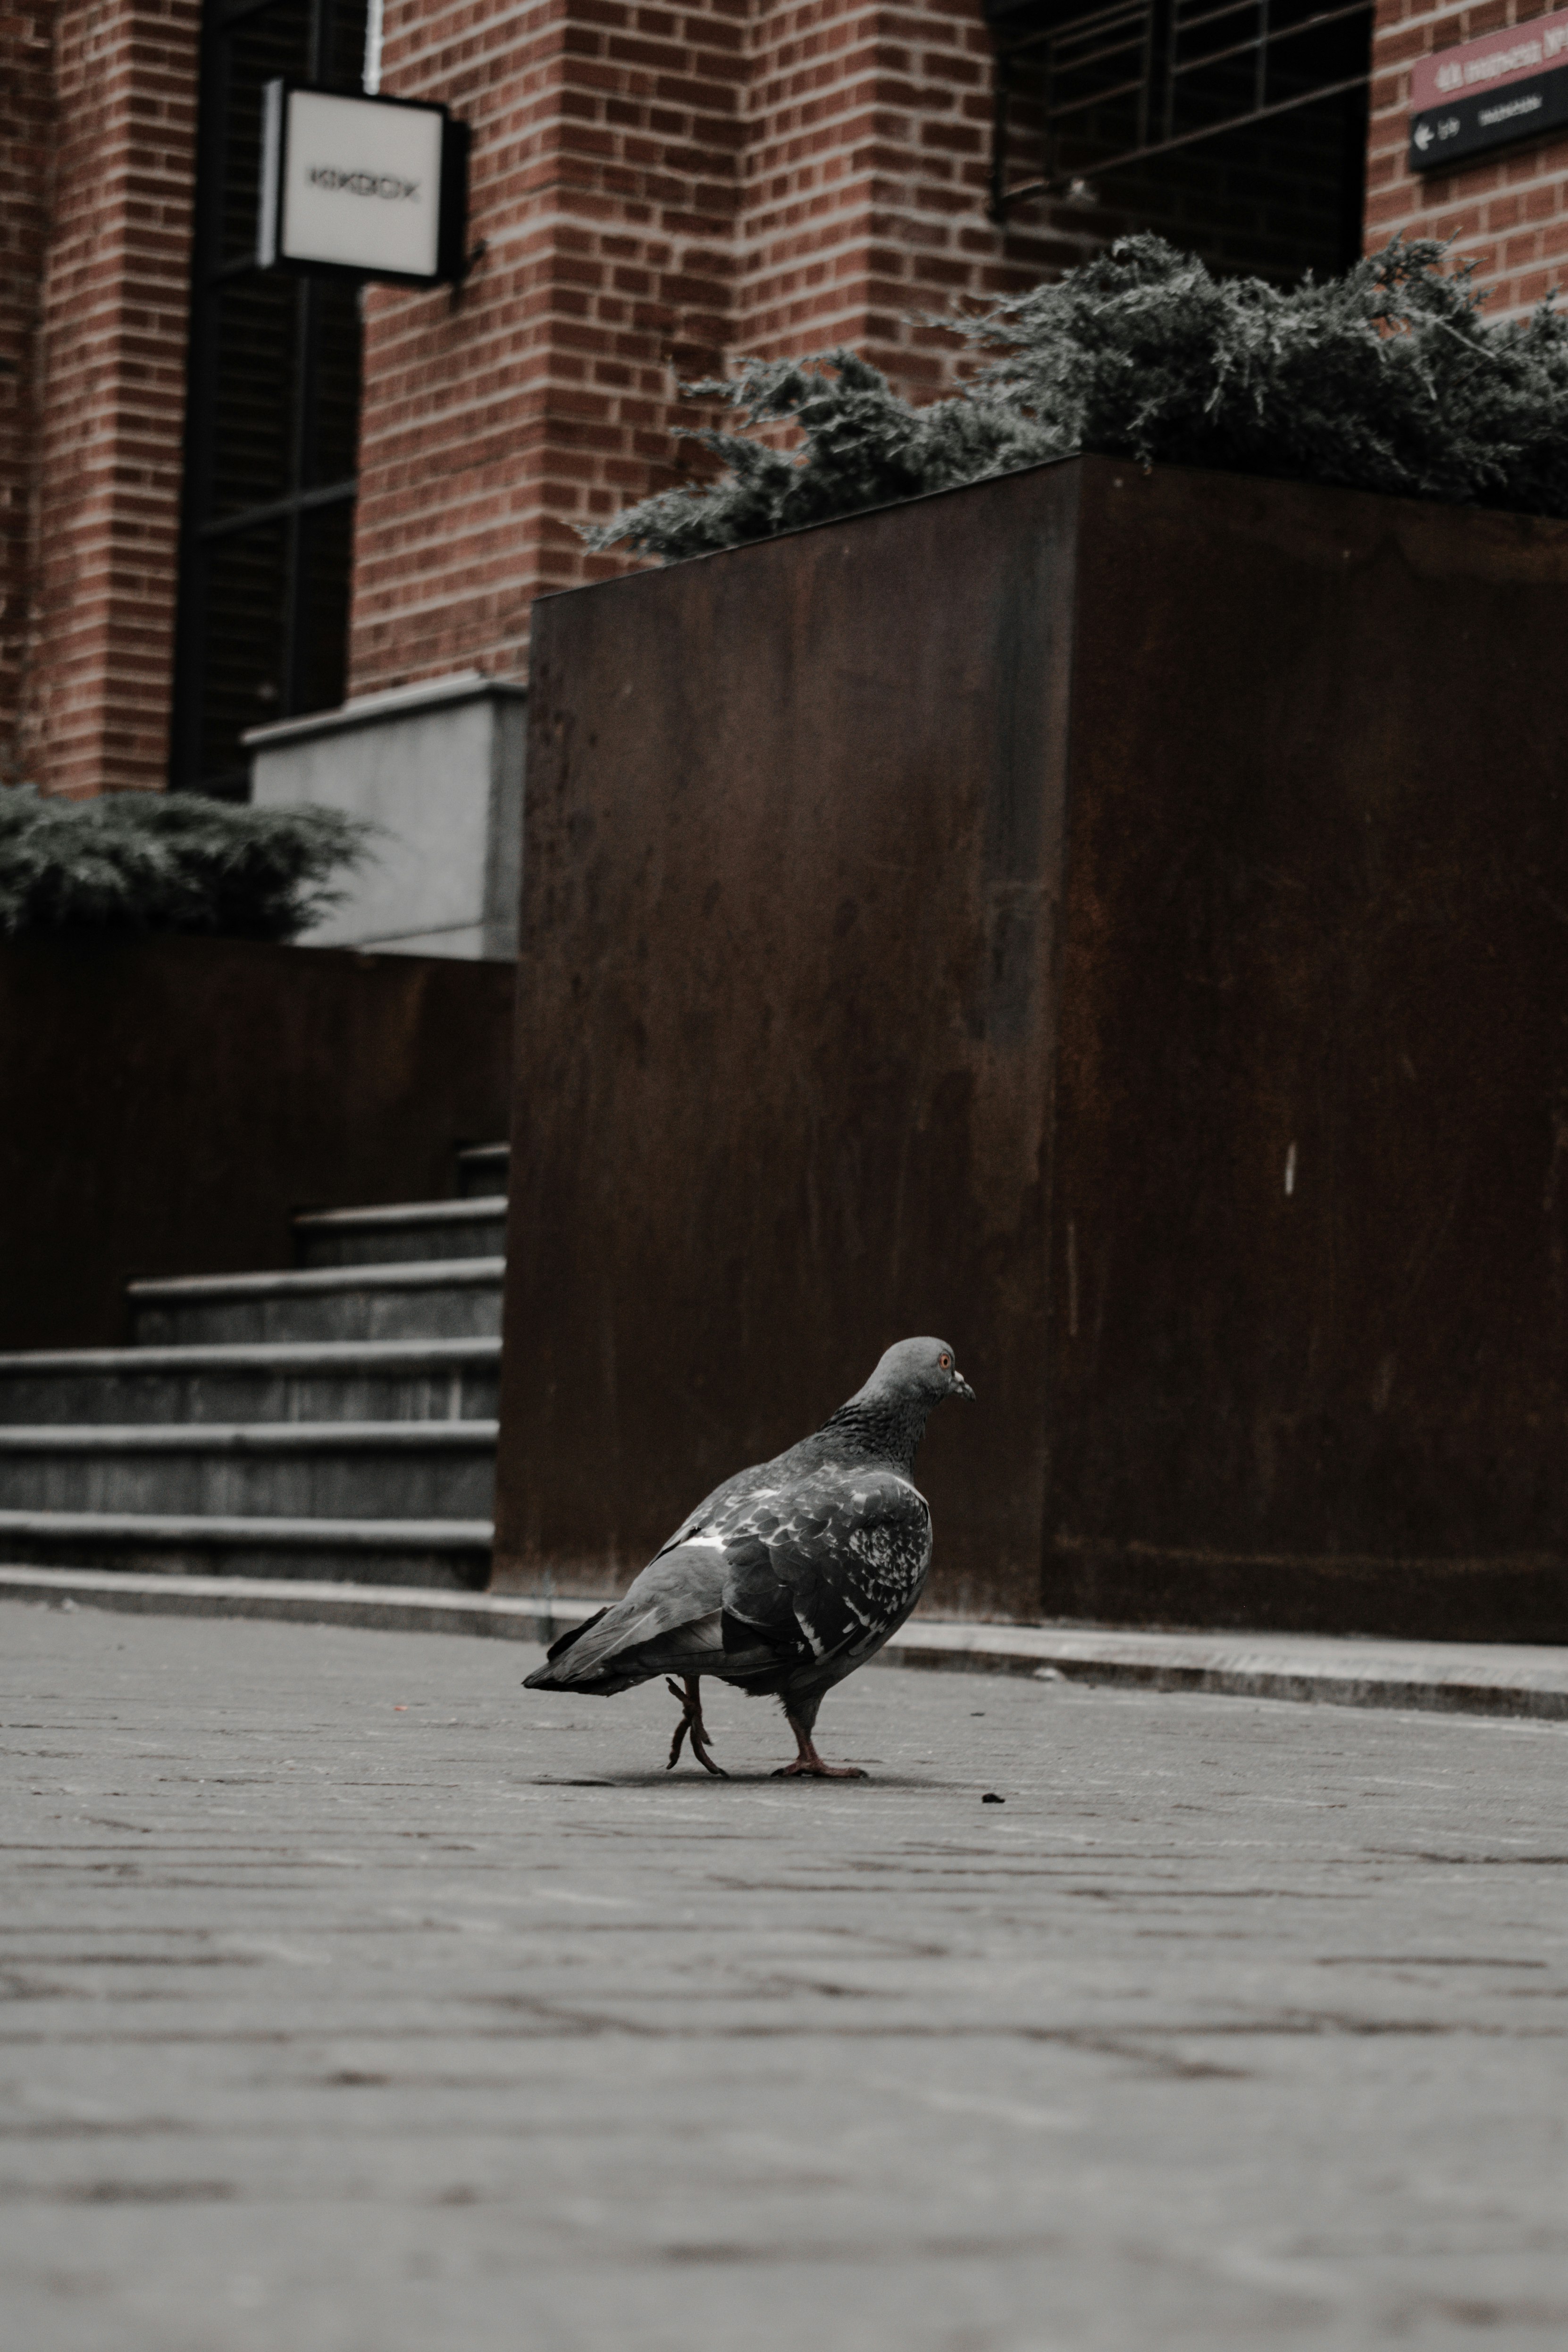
(1383, 379)
(174, 862)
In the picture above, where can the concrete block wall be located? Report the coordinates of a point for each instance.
(1507, 212)
(437, 770)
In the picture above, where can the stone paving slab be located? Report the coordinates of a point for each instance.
(1473, 1678)
(353, 2000)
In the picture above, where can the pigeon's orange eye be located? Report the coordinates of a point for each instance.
(944, 1362)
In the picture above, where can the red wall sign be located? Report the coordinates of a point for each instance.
(1506, 85)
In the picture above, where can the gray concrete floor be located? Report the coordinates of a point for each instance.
(352, 2000)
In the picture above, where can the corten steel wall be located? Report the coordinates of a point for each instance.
(1310, 1360)
(1191, 1049)
(785, 1018)
(168, 1102)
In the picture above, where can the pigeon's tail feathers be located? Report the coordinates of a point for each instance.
(667, 1623)
(543, 1677)
(573, 1673)
(694, 1648)
(576, 1635)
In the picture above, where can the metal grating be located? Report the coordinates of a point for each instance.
(1097, 92)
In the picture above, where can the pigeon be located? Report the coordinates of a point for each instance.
(789, 1575)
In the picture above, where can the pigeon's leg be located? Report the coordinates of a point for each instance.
(808, 1764)
(691, 1720)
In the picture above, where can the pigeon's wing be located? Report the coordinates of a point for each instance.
(735, 1492)
(764, 1481)
(822, 1570)
(667, 1622)
(826, 1569)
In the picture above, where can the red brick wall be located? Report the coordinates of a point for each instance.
(657, 190)
(111, 393)
(1506, 212)
(26, 112)
(661, 190)
(607, 146)
(867, 175)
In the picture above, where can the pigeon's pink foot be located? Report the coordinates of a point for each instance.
(691, 1720)
(809, 1766)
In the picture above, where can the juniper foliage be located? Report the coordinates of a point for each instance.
(1383, 379)
(860, 445)
(177, 862)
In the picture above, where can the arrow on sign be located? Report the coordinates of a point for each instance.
(1423, 136)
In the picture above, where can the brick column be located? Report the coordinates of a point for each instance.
(1507, 212)
(867, 174)
(26, 111)
(656, 191)
(112, 370)
(605, 182)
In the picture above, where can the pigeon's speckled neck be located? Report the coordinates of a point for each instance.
(882, 1428)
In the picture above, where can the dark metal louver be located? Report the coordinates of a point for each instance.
(1095, 90)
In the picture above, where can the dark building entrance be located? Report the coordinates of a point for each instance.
(272, 426)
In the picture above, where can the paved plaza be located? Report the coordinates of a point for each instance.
(355, 2001)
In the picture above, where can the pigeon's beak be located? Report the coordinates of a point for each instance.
(960, 1387)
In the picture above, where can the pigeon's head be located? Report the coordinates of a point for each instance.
(918, 1370)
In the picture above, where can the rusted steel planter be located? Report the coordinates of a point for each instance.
(168, 1102)
(1117, 921)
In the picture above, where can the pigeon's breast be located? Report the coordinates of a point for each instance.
(891, 1556)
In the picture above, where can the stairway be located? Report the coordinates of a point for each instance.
(336, 1422)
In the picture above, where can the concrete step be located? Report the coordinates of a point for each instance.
(397, 1236)
(387, 1380)
(451, 1555)
(293, 1470)
(483, 1167)
(451, 1298)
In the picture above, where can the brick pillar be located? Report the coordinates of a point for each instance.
(111, 372)
(1507, 212)
(604, 183)
(26, 110)
(657, 192)
(867, 175)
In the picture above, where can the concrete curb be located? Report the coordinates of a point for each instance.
(386, 1607)
(1446, 1677)
(1461, 1678)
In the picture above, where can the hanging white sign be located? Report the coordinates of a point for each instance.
(372, 186)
